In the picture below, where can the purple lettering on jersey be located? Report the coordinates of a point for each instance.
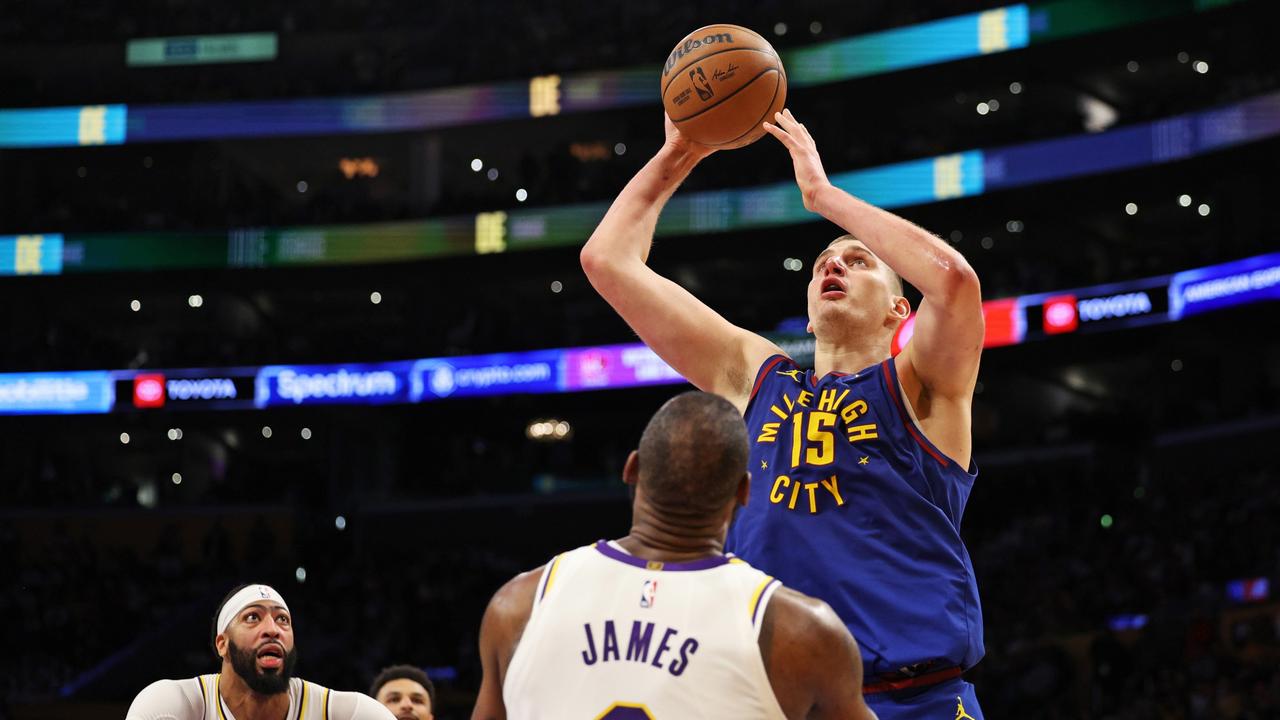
(638, 645)
(663, 647)
(589, 655)
(610, 642)
(689, 647)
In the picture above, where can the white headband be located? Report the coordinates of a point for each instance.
(248, 595)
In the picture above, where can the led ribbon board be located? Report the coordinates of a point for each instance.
(914, 182)
(949, 39)
(1010, 321)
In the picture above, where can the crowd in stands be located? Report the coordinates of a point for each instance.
(1052, 578)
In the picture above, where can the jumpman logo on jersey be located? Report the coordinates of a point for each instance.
(793, 374)
(960, 713)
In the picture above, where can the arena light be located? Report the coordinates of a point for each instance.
(306, 433)
(1184, 200)
(340, 522)
(1131, 208)
(1249, 590)
(124, 438)
(351, 168)
(266, 431)
(176, 478)
(195, 301)
(477, 165)
(556, 286)
(375, 297)
(549, 430)
(147, 495)
(135, 305)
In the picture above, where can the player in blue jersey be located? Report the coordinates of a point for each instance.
(862, 465)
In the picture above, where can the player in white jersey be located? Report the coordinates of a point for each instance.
(253, 636)
(661, 624)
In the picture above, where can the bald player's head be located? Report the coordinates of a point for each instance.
(693, 454)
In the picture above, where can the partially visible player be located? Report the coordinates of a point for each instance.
(253, 637)
(406, 691)
(661, 623)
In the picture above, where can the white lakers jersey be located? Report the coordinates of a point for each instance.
(613, 637)
(200, 698)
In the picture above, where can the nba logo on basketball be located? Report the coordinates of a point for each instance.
(649, 593)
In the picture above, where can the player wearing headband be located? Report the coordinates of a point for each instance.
(253, 637)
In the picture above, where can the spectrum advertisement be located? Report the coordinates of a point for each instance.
(349, 384)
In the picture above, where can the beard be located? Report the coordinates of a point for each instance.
(270, 681)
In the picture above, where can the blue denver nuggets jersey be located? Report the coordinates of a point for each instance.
(852, 504)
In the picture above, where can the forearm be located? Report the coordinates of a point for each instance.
(626, 232)
(933, 267)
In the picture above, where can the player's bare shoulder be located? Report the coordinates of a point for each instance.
(509, 611)
(795, 623)
(812, 661)
(181, 699)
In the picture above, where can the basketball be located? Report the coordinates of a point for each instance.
(720, 83)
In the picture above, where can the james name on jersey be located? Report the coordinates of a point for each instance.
(671, 653)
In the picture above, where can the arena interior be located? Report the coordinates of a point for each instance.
(292, 294)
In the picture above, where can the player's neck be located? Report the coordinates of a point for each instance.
(246, 704)
(848, 356)
(649, 542)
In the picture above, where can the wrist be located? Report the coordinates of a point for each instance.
(820, 197)
(684, 151)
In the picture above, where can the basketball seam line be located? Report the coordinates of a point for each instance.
(776, 88)
(722, 100)
(676, 74)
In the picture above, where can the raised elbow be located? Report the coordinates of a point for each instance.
(960, 282)
(601, 265)
(591, 260)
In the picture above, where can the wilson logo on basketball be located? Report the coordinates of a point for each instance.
(693, 44)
